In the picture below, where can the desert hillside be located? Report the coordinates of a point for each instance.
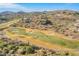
(62, 21)
(39, 33)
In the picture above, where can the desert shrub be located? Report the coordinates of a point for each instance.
(21, 50)
(27, 20)
(45, 22)
(29, 49)
(10, 47)
(5, 50)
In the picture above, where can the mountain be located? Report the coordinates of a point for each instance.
(7, 13)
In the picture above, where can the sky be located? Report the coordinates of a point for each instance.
(30, 7)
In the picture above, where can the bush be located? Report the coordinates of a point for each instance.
(29, 49)
(45, 22)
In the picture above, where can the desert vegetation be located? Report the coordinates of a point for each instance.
(25, 34)
(17, 48)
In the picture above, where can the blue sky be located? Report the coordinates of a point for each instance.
(29, 7)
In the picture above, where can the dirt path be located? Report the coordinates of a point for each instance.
(36, 42)
(48, 32)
